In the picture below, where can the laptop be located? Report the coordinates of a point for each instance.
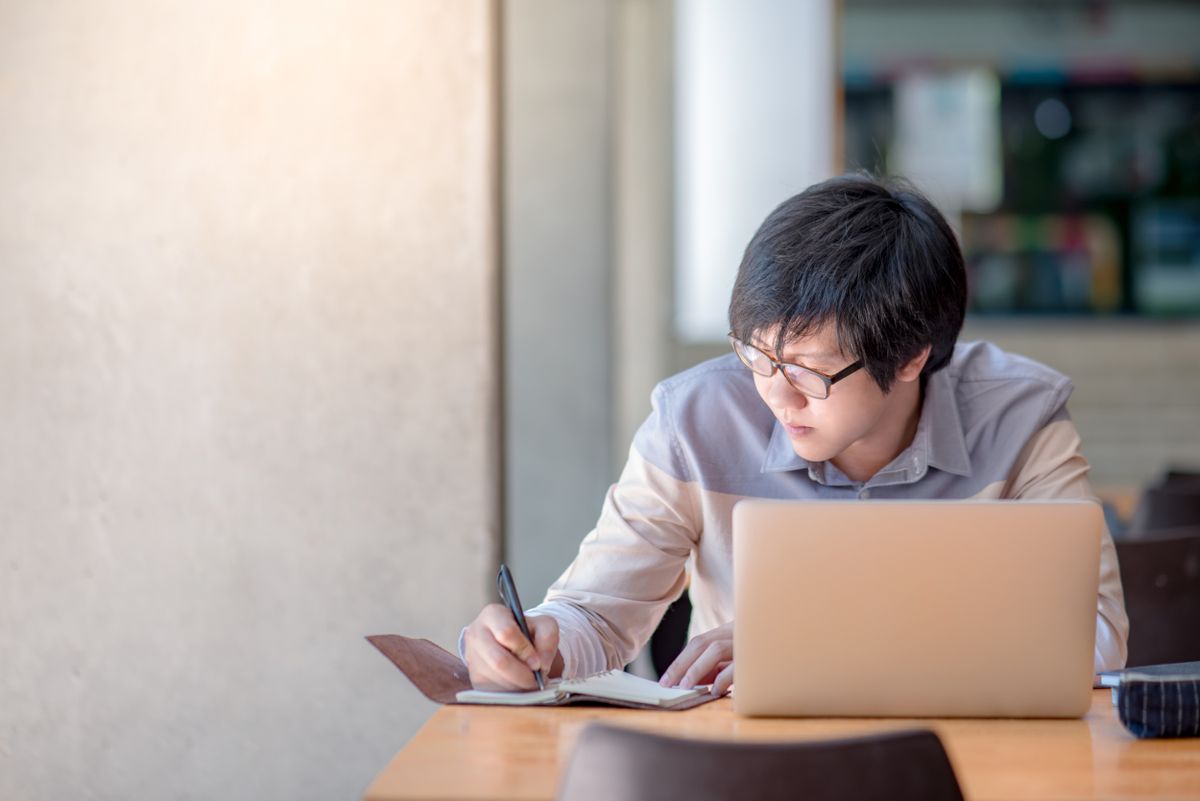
(915, 608)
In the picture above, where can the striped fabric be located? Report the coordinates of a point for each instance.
(993, 425)
(1160, 707)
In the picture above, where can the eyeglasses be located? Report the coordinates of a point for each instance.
(803, 379)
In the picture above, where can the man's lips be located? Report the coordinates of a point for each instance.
(796, 430)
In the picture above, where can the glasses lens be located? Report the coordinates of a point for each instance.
(806, 381)
(752, 357)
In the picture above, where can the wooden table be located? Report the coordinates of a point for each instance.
(475, 752)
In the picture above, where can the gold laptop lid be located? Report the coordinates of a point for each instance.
(915, 608)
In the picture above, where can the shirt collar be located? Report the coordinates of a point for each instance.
(780, 455)
(939, 442)
(947, 450)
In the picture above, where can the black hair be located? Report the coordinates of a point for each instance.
(872, 256)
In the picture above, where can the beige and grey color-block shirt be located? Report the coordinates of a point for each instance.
(992, 425)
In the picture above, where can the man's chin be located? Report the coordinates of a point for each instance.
(812, 452)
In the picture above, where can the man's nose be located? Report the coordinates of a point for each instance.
(783, 395)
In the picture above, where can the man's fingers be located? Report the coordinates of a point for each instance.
(682, 662)
(705, 664)
(545, 638)
(498, 655)
(509, 635)
(494, 667)
(684, 665)
(723, 682)
(685, 662)
(544, 630)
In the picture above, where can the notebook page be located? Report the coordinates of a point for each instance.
(622, 686)
(531, 698)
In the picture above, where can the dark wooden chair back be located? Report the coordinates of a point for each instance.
(616, 764)
(1160, 573)
(1182, 478)
(1166, 506)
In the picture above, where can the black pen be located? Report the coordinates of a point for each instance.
(508, 591)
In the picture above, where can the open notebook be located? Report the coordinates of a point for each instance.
(615, 686)
(442, 677)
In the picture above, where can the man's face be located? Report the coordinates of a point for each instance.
(821, 430)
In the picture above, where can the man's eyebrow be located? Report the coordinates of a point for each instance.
(809, 356)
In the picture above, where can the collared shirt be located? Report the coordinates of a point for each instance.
(992, 425)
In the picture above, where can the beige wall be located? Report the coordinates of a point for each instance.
(231, 236)
(643, 220)
(557, 155)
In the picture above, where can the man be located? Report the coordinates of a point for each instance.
(845, 382)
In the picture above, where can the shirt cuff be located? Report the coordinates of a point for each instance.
(462, 645)
(579, 643)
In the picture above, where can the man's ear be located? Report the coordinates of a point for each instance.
(911, 370)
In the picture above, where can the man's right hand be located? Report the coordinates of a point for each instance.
(500, 658)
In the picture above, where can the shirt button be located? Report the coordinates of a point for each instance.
(864, 494)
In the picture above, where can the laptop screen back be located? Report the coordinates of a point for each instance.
(915, 608)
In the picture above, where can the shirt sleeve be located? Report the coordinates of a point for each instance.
(633, 564)
(1052, 466)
